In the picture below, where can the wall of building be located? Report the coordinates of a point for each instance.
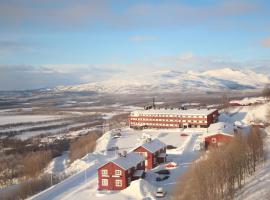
(111, 167)
(219, 138)
(150, 157)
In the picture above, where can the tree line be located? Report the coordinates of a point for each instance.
(222, 170)
(79, 147)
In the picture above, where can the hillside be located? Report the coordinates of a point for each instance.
(176, 81)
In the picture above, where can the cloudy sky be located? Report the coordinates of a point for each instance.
(44, 43)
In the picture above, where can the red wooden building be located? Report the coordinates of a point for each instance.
(154, 152)
(173, 118)
(218, 134)
(117, 174)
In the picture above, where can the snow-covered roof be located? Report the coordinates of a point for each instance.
(173, 112)
(153, 145)
(130, 160)
(222, 128)
(138, 173)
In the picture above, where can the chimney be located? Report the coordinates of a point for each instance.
(154, 106)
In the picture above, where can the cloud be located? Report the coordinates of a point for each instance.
(22, 77)
(10, 46)
(142, 38)
(102, 13)
(266, 42)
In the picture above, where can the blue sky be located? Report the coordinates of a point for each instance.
(71, 42)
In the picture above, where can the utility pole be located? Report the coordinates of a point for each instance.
(51, 179)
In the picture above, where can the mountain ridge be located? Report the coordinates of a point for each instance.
(176, 81)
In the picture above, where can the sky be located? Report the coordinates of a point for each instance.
(46, 43)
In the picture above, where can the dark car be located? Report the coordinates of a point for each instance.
(162, 178)
(163, 172)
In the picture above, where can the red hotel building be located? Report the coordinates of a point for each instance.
(173, 118)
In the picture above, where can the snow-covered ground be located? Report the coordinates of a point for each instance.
(249, 100)
(13, 119)
(84, 184)
(257, 186)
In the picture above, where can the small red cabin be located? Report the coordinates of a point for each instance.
(217, 139)
(117, 174)
(218, 134)
(154, 152)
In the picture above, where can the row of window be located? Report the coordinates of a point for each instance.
(105, 182)
(151, 124)
(169, 120)
(163, 124)
(179, 116)
(104, 172)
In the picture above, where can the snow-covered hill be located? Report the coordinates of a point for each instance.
(175, 81)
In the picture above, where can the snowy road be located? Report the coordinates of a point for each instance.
(71, 183)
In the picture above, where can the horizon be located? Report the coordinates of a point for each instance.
(46, 44)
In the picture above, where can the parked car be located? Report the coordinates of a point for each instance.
(163, 172)
(116, 136)
(160, 192)
(183, 134)
(162, 178)
(170, 147)
(113, 148)
(171, 165)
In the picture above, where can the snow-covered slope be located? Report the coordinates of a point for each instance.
(175, 81)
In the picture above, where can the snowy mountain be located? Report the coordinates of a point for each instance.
(176, 81)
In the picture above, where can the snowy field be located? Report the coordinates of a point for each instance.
(13, 119)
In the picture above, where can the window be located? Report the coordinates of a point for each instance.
(104, 182)
(214, 140)
(104, 172)
(118, 172)
(118, 183)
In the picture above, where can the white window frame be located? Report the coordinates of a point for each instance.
(118, 172)
(118, 183)
(104, 172)
(104, 182)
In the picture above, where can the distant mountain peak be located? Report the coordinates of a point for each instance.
(176, 81)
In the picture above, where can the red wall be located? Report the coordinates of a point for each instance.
(150, 158)
(111, 167)
(177, 124)
(220, 138)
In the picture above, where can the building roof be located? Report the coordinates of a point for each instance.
(138, 173)
(153, 145)
(130, 160)
(220, 128)
(173, 112)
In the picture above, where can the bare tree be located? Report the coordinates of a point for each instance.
(266, 93)
(225, 102)
(224, 170)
